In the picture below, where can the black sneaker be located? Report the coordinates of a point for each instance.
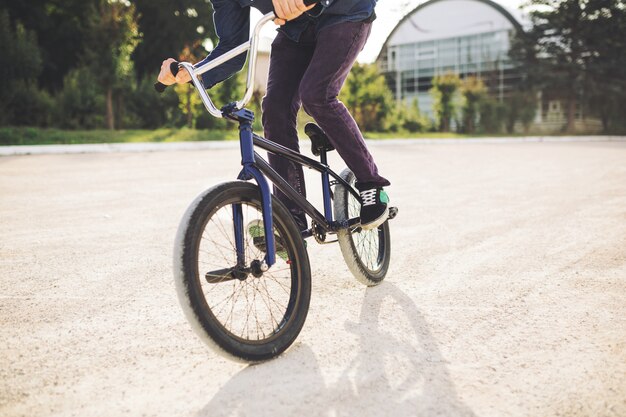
(374, 210)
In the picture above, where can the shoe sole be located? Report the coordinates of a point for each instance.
(377, 222)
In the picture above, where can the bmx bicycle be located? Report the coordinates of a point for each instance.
(241, 266)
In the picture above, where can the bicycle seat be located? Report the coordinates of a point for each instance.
(319, 140)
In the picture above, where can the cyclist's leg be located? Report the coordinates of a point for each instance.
(288, 62)
(336, 51)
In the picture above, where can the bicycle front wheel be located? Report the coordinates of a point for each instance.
(233, 305)
(366, 252)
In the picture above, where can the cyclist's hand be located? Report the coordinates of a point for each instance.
(289, 9)
(183, 77)
(167, 78)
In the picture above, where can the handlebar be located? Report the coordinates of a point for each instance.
(195, 72)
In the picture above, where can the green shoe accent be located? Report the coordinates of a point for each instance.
(384, 198)
(257, 231)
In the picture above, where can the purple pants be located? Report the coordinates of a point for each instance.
(310, 73)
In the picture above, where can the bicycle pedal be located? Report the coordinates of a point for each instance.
(393, 212)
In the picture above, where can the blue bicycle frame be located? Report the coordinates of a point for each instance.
(257, 169)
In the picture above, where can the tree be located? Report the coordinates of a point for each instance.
(20, 66)
(367, 97)
(552, 52)
(574, 47)
(148, 109)
(604, 34)
(444, 91)
(112, 39)
(189, 101)
(413, 119)
(520, 106)
(81, 104)
(492, 114)
(473, 91)
(166, 28)
(408, 117)
(60, 28)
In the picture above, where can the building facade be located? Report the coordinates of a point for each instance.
(465, 37)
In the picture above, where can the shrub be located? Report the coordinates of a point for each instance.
(81, 103)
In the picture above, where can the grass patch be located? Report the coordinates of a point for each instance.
(409, 135)
(37, 136)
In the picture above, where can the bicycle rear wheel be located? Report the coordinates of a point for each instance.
(366, 252)
(234, 306)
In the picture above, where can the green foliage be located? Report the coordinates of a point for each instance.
(367, 97)
(91, 63)
(189, 102)
(520, 106)
(407, 117)
(604, 35)
(492, 114)
(21, 59)
(20, 65)
(149, 109)
(167, 27)
(576, 50)
(61, 28)
(608, 104)
(86, 60)
(30, 106)
(81, 103)
(445, 100)
(37, 136)
(229, 90)
(474, 93)
(396, 118)
(112, 38)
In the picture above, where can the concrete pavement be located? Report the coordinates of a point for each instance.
(506, 294)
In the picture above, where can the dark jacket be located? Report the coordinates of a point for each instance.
(232, 25)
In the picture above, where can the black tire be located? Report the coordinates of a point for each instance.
(366, 252)
(251, 319)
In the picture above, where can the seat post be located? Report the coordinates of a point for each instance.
(328, 211)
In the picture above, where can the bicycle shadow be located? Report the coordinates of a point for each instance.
(420, 383)
(372, 384)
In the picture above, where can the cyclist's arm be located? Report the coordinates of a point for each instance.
(232, 25)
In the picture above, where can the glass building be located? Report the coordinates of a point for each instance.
(466, 37)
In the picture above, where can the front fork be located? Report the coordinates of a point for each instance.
(268, 224)
(250, 171)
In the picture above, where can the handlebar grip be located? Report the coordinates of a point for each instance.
(160, 87)
(310, 2)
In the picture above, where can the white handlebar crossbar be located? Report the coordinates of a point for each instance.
(252, 45)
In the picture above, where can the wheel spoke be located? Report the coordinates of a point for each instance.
(255, 308)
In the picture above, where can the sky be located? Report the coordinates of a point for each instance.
(389, 13)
